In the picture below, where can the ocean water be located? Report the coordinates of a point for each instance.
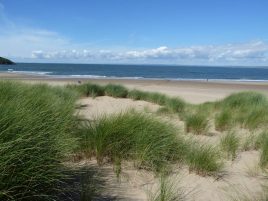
(168, 72)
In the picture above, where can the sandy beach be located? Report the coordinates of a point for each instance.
(191, 91)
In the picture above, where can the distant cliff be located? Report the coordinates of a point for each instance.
(5, 61)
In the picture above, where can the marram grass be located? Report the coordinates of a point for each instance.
(204, 159)
(230, 144)
(35, 137)
(149, 142)
(223, 120)
(152, 144)
(88, 89)
(117, 91)
(244, 109)
(263, 145)
(196, 123)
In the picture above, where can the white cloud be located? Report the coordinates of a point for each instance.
(252, 52)
(34, 44)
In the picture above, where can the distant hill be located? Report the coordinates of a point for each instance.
(5, 61)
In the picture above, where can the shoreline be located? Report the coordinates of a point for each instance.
(194, 91)
(28, 75)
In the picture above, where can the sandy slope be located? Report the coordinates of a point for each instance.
(240, 175)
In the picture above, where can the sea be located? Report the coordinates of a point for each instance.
(120, 71)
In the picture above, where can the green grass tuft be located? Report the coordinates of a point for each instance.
(223, 120)
(203, 159)
(117, 91)
(246, 109)
(230, 144)
(88, 89)
(155, 97)
(244, 99)
(196, 123)
(149, 142)
(175, 105)
(137, 94)
(263, 143)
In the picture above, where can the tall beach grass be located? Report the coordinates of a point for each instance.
(35, 137)
(117, 91)
(230, 144)
(204, 159)
(87, 89)
(263, 145)
(149, 142)
(244, 109)
(196, 123)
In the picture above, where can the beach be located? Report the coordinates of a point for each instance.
(193, 91)
(133, 100)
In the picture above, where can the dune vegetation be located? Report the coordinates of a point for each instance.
(40, 131)
(147, 141)
(36, 126)
(196, 123)
(230, 145)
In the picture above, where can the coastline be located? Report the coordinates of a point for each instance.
(194, 91)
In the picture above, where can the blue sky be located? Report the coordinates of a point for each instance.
(210, 32)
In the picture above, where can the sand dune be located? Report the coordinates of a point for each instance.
(239, 176)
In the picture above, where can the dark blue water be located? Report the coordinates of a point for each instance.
(140, 71)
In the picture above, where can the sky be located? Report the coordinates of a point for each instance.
(183, 32)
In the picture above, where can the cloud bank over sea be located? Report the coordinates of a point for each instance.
(251, 52)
